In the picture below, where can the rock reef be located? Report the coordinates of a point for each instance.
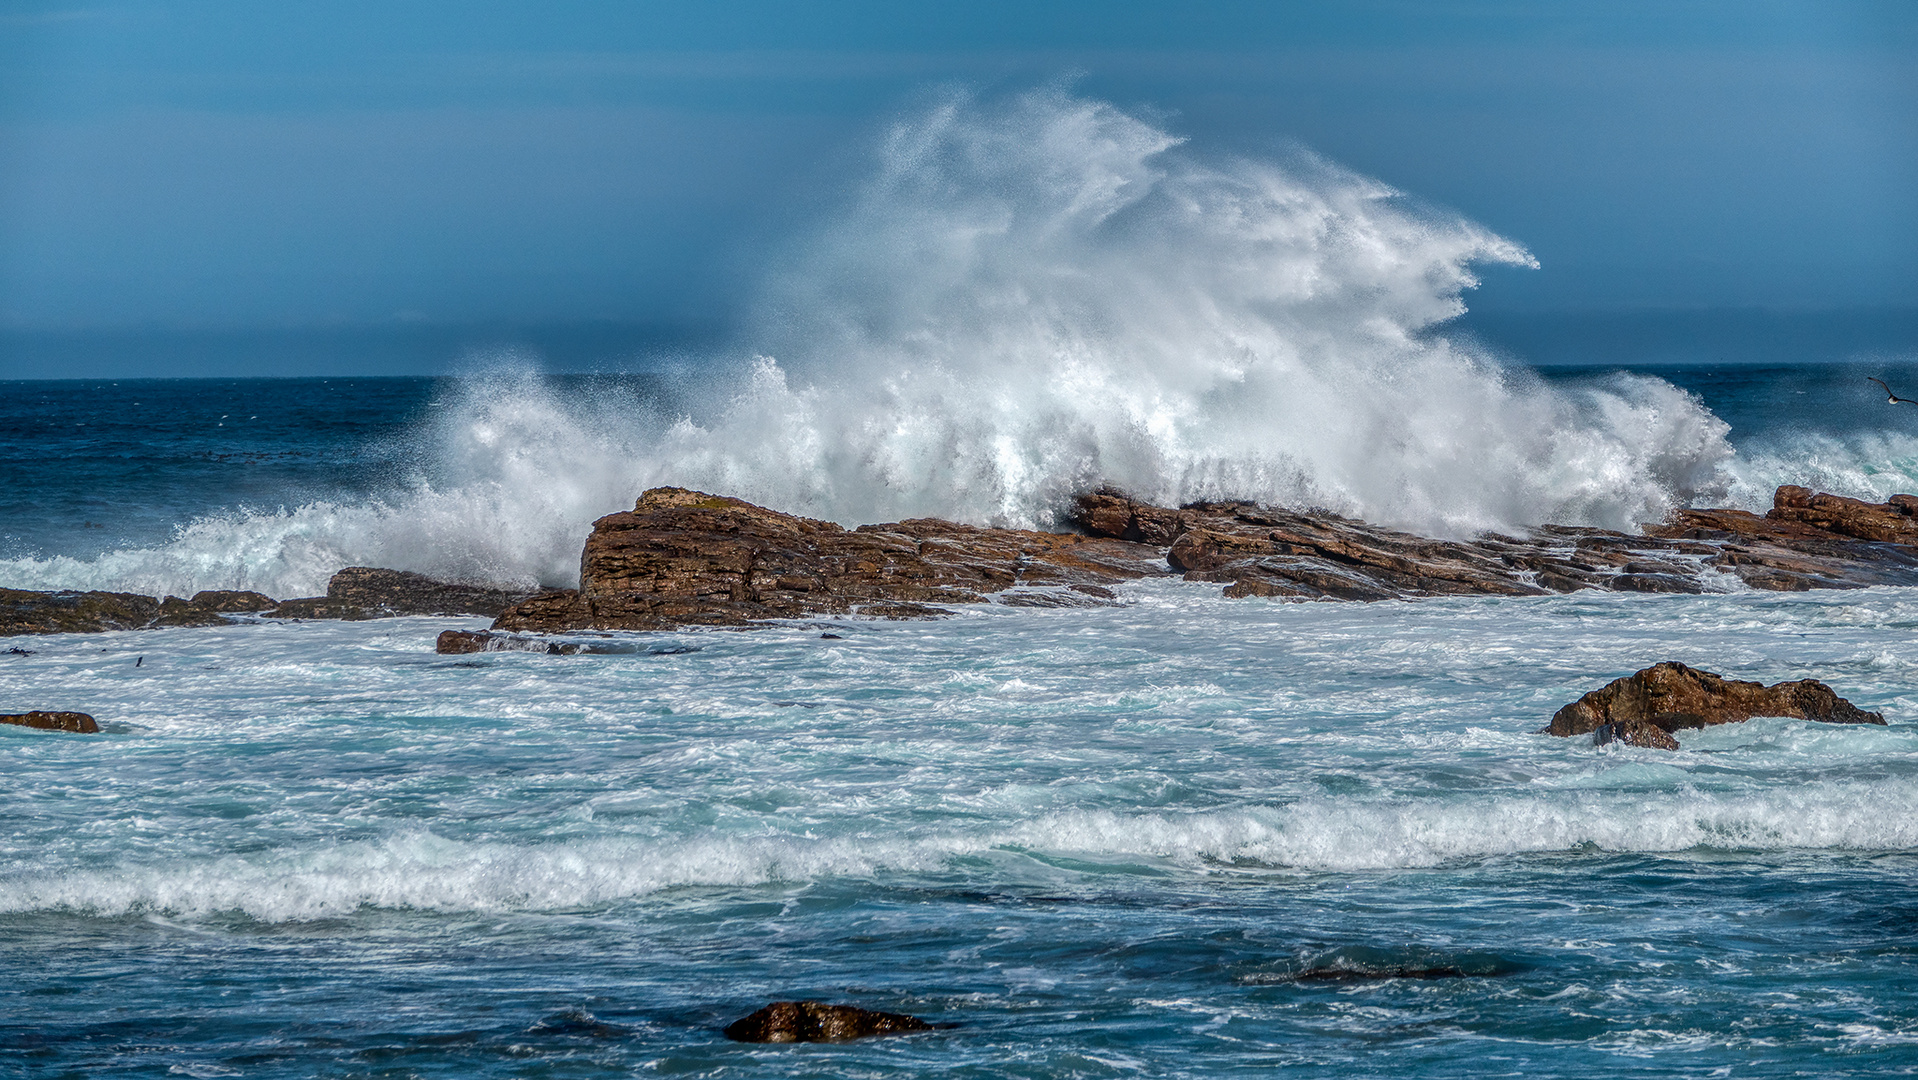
(368, 592)
(357, 592)
(1646, 708)
(1806, 542)
(814, 1021)
(685, 558)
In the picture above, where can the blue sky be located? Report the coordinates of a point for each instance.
(233, 165)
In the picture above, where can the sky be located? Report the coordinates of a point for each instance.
(225, 167)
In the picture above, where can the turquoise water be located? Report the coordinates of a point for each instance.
(1098, 843)
(1184, 836)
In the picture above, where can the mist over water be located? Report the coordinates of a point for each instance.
(1027, 298)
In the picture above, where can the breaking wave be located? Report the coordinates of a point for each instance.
(420, 871)
(1031, 297)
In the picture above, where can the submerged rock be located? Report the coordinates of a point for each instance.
(1644, 709)
(1335, 973)
(53, 721)
(814, 1021)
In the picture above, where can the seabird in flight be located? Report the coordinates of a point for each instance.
(1890, 397)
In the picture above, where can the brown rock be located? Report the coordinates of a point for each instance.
(381, 592)
(53, 721)
(69, 612)
(1635, 733)
(813, 1021)
(232, 600)
(461, 642)
(1671, 697)
(1890, 522)
(370, 592)
(686, 558)
(1110, 512)
(319, 607)
(177, 612)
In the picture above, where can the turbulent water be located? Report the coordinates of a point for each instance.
(1182, 836)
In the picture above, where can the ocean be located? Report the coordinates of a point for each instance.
(1096, 842)
(1178, 836)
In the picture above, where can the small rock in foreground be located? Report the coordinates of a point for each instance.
(54, 721)
(815, 1021)
(1646, 708)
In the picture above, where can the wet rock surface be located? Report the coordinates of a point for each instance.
(357, 592)
(686, 558)
(1806, 542)
(70, 612)
(368, 592)
(78, 722)
(1646, 708)
(813, 1021)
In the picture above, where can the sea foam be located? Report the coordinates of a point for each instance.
(422, 871)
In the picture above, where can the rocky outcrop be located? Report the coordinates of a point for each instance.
(1893, 522)
(1806, 541)
(53, 721)
(1262, 551)
(70, 612)
(357, 592)
(368, 592)
(208, 606)
(686, 558)
(813, 1021)
(1646, 708)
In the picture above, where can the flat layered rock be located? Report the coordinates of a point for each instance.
(815, 1021)
(1807, 541)
(370, 592)
(1646, 708)
(686, 558)
(357, 592)
(24, 611)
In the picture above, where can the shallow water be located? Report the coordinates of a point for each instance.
(1098, 842)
